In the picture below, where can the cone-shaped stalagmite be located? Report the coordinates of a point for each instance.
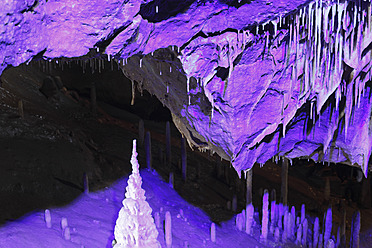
(135, 226)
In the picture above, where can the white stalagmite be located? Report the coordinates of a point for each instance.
(48, 218)
(168, 229)
(249, 218)
(67, 234)
(135, 226)
(265, 215)
(64, 223)
(213, 232)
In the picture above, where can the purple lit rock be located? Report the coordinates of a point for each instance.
(263, 81)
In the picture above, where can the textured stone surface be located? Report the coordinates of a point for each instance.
(235, 80)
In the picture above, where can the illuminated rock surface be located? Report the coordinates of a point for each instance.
(247, 80)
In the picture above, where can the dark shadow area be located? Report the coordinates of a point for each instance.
(160, 10)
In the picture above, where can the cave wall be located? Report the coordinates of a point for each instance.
(248, 80)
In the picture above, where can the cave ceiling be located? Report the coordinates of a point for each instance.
(249, 80)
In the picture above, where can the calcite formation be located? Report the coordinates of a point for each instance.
(249, 80)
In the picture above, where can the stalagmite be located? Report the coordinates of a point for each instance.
(240, 220)
(184, 158)
(265, 216)
(64, 223)
(304, 232)
(285, 227)
(316, 232)
(280, 215)
(284, 186)
(249, 218)
(330, 244)
(355, 230)
(168, 144)
(328, 225)
(66, 233)
(213, 232)
(338, 239)
(303, 213)
(168, 229)
(320, 241)
(273, 214)
(148, 150)
(299, 235)
(293, 223)
(48, 218)
(157, 220)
